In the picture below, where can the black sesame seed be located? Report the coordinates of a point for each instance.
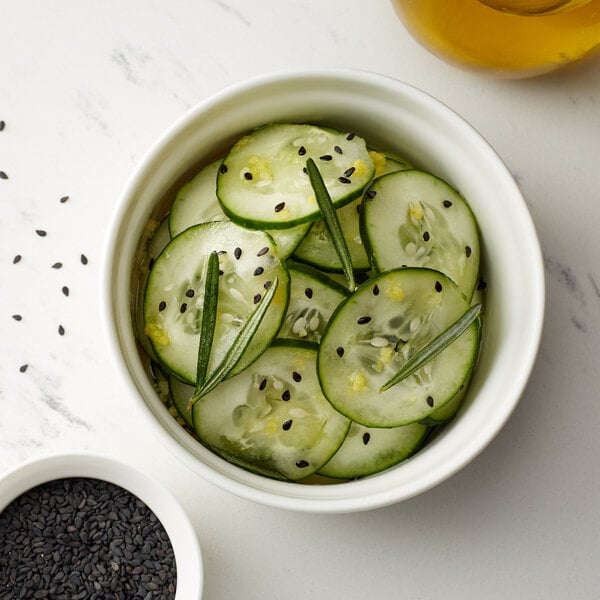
(438, 286)
(326, 157)
(2, 124)
(3, 175)
(162, 305)
(248, 175)
(237, 253)
(340, 351)
(61, 330)
(84, 538)
(84, 260)
(150, 264)
(223, 169)
(286, 425)
(221, 271)
(65, 290)
(257, 298)
(430, 401)
(350, 136)
(286, 395)
(426, 236)
(363, 320)
(366, 438)
(296, 377)
(263, 385)
(267, 284)
(349, 172)
(221, 252)
(481, 285)
(262, 251)
(279, 207)
(305, 170)
(302, 464)
(371, 194)
(64, 199)
(57, 265)
(23, 368)
(344, 180)
(308, 292)
(258, 271)
(190, 293)
(41, 232)
(375, 290)
(338, 150)
(302, 151)
(17, 259)
(183, 307)
(17, 317)
(447, 203)
(468, 251)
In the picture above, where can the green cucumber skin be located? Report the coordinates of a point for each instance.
(372, 420)
(242, 421)
(349, 462)
(325, 292)
(255, 222)
(468, 287)
(184, 368)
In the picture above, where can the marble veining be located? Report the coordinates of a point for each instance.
(85, 88)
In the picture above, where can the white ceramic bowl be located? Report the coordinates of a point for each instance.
(186, 547)
(390, 115)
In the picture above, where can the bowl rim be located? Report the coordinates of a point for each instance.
(49, 467)
(279, 495)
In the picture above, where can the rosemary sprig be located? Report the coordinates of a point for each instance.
(330, 218)
(209, 314)
(240, 344)
(433, 348)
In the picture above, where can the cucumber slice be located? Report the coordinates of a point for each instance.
(181, 394)
(313, 297)
(174, 295)
(386, 162)
(380, 326)
(158, 239)
(368, 450)
(273, 418)
(196, 202)
(317, 248)
(262, 184)
(413, 218)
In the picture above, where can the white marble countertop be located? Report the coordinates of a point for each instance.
(85, 87)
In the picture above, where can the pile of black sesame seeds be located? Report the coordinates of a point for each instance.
(84, 538)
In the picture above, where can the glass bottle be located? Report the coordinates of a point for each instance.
(511, 38)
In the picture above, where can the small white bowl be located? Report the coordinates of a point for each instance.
(183, 537)
(396, 117)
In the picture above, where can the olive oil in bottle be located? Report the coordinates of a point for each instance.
(510, 38)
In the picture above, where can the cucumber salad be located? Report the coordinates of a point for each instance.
(309, 307)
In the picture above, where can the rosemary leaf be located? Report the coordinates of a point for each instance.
(433, 348)
(240, 344)
(330, 218)
(209, 314)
